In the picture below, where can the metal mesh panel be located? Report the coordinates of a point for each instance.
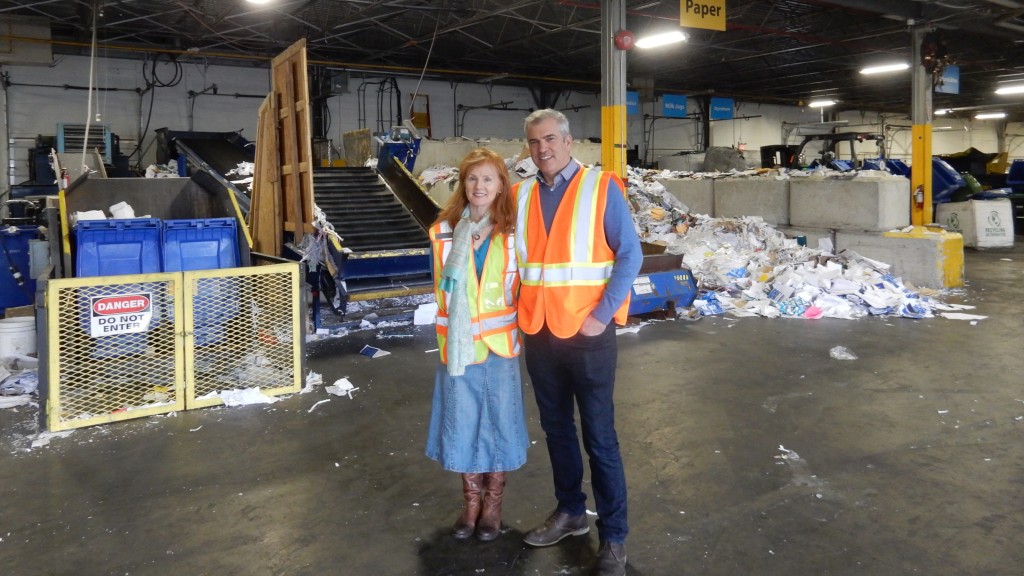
(243, 331)
(112, 349)
(204, 332)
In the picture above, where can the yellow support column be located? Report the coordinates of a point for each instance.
(921, 132)
(613, 139)
(613, 89)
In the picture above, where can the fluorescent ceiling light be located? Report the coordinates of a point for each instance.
(258, 1)
(662, 39)
(1018, 89)
(990, 116)
(885, 68)
(943, 112)
(821, 103)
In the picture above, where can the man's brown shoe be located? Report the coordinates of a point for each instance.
(611, 560)
(558, 526)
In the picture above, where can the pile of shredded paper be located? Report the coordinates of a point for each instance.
(747, 267)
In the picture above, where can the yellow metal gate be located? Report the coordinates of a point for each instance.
(155, 343)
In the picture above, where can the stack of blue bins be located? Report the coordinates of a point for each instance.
(112, 248)
(205, 244)
(147, 245)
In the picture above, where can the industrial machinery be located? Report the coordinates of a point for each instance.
(662, 285)
(830, 153)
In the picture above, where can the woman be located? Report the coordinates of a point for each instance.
(477, 426)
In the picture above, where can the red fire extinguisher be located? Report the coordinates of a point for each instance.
(64, 180)
(919, 196)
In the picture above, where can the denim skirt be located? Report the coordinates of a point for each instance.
(476, 421)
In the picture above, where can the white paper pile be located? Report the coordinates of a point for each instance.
(747, 267)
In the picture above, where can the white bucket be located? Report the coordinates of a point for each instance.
(18, 336)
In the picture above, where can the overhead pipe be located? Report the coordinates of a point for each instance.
(375, 68)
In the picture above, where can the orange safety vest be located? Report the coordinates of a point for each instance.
(570, 266)
(493, 320)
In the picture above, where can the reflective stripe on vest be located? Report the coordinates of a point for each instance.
(493, 321)
(582, 270)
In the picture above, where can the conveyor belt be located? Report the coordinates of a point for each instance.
(390, 250)
(364, 212)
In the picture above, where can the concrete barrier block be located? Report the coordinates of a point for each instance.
(698, 195)
(872, 204)
(764, 197)
(922, 257)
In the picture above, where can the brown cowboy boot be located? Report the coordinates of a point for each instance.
(489, 526)
(466, 524)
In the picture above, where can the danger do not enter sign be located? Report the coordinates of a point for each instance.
(120, 314)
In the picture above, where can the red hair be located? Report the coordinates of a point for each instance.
(503, 211)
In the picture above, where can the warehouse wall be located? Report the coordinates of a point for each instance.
(39, 97)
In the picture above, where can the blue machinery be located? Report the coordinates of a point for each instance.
(662, 285)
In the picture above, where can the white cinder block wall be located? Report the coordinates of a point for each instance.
(36, 100)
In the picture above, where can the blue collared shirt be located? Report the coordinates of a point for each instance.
(618, 230)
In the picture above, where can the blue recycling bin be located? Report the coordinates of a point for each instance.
(113, 247)
(1015, 177)
(205, 244)
(405, 150)
(945, 181)
(17, 286)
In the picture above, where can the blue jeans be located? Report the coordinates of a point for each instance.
(580, 370)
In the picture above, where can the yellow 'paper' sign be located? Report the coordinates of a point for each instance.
(707, 14)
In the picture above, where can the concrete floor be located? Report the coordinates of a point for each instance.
(911, 461)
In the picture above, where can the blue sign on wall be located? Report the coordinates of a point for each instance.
(632, 102)
(950, 82)
(673, 106)
(721, 108)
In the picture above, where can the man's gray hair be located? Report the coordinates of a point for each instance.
(544, 114)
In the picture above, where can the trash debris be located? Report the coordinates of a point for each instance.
(634, 329)
(341, 387)
(18, 376)
(246, 396)
(313, 380)
(787, 454)
(313, 407)
(169, 170)
(961, 316)
(122, 210)
(373, 352)
(842, 353)
(708, 304)
(12, 401)
(43, 438)
(425, 314)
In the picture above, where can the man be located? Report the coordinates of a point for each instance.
(578, 255)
